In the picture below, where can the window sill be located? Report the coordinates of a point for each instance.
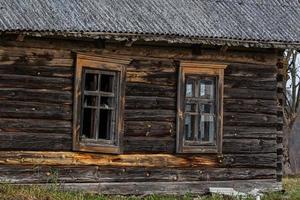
(95, 148)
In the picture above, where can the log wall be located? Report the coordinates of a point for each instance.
(36, 84)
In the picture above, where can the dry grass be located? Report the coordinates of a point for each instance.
(13, 192)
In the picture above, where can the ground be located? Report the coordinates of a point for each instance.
(10, 192)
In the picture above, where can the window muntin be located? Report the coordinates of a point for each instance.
(200, 113)
(200, 107)
(99, 103)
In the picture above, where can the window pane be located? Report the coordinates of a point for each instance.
(189, 127)
(105, 125)
(90, 100)
(206, 89)
(107, 83)
(107, 102)
(88, 125)
(189, 89)
(206, 108)
(91, 82)
(207, 128)
(190, 108)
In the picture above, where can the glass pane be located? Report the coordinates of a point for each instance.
(189, 126)
(207, 128)
(105, 125)
(90, 100)
(190, 108)
(91, 82)
(189, 89)
(206, 108)
(107, 83)
(206, 89)
(107, 102)
(88, 124)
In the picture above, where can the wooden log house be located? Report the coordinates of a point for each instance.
(141, 97)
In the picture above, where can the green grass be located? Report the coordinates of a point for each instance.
(13, 192)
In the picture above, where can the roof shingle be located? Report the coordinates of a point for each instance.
(253, 20)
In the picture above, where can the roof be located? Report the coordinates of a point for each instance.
(241, 21)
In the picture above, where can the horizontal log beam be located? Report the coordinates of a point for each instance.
(51, 158)
(175, 188)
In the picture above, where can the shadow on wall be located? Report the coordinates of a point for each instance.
(294, 146)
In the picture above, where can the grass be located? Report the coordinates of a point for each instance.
(13, 192)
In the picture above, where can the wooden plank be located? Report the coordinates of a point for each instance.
(39, 71)
(94, 174)
(36, 95)
(249, 132)
(269, 84)
(174, 188)
(251, 70)
(243, 93)
(149, 144)
(62, 158)
(250, 119)
(172, 52)
(35, 125)
(250, 160)
(141, 102)
(154, 78)
(35, 141)
(249, 146)
(141, 89)
(251, 106)
(149, 128)
(52, 158)
(150, 115)
(21, 109)
(36, 61)
(35, 82)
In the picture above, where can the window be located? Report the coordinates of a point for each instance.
(98, 104)
(200, 107)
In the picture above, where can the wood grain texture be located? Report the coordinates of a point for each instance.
(95, 174)
(174, 188)
(50, 158)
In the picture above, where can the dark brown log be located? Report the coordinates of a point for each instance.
(252, 132)
(248, 55)
(94, 174)
(35, 126)
(149, 128)
(154, 78)
(249, 119)
(35, 82)
(251, 70)
(140, 102)
(149, 144)
(249, 146)
(243, 93)
(251, 106)
(39, 71)
(253, 160)
(36, 95)
(21, 109)
(35, 141)
(268, 84)
(141, 89)
(150, 115)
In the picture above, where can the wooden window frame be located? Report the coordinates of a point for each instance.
(202, 69)
(104, 63)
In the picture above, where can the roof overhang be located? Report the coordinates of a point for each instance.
(132, 37)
